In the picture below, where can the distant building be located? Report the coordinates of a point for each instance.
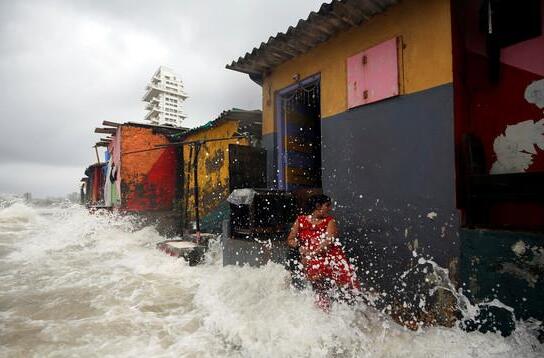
(165, 96)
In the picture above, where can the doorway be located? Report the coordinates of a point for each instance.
(298, 135)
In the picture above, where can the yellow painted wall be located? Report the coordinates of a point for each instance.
(213, 167)
(426, 59)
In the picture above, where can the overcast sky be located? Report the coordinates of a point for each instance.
(65, 66)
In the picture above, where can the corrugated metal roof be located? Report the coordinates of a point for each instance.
(332, 18)
(166, 130)
(250, 121)
(156, 126)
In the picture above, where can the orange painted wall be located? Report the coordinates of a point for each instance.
(148, 177)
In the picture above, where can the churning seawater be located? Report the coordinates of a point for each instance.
(74, 284)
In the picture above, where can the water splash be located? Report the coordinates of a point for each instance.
(93, 285)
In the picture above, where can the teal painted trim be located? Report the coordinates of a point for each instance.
(505, 265)
(212, 222)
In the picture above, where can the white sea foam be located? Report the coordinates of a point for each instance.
(17, 213)
(91, 285)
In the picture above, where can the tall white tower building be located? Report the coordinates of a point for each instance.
(165, 96)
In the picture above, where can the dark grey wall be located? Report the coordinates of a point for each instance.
(252, 253)
(269, 143)
(389, 165)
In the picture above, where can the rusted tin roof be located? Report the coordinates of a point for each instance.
(332, 18)
(155, 126)
(166, 130)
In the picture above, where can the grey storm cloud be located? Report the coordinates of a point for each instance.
(68, 65)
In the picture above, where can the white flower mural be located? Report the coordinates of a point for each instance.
(516, 148)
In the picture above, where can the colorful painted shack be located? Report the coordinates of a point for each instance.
(423, 121)
(225, 154)
(93, 184)
(144, 173)
(150, 170)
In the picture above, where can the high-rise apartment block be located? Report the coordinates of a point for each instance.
(165, 96)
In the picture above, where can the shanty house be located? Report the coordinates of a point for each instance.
(93, 184)
(219, 156)
(143, 172)
(423, 121)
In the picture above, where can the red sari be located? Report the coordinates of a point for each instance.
(332, 264)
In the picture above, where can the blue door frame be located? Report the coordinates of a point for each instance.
(281, 128)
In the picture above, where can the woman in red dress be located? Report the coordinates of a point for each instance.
(324, 262)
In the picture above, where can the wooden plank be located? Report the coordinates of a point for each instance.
(105, 130)
(110, 124)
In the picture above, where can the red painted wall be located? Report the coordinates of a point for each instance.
(494, 107)
(147, 177)
(97, 184)
(486, 109)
